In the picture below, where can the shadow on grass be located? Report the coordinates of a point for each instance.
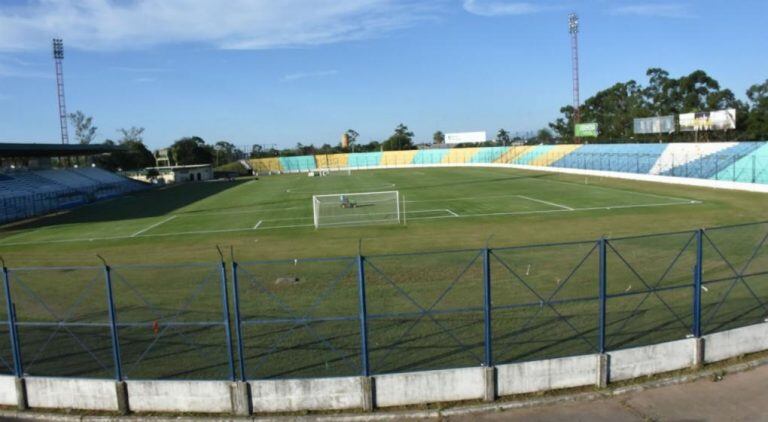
(144, 204)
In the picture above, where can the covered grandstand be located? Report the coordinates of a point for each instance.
(30, 185)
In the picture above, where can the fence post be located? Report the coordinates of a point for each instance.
(363, 315)
(754, 165)
(113, 324)
(697, 279)
(17, 366)
(602, 293)
(227, 323)
(487, 306)
(238, 330)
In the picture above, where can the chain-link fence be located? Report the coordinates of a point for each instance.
(380, 314)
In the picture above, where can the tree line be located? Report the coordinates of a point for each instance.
(615, 108)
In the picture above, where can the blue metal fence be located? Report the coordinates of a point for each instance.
(374, 314)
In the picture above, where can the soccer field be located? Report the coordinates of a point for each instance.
(423, 277)
(441, 209)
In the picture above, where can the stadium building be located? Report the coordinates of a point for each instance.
(36, 180)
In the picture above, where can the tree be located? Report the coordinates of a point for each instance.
(402, 139)
(191, 150)
(757, 120)
(226, 152)
(132, 134)
(85, 131)
(438, 137)
(352, 136)
(502, 137)
(544, 136)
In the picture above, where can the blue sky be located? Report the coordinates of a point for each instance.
(288, 71)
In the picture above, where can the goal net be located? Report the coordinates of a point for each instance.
(344, 209)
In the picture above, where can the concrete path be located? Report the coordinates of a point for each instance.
(737, 397)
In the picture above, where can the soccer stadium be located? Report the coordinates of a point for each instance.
(400, 276)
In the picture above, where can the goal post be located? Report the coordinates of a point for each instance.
(349, 209)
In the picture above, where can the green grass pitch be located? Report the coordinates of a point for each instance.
(425, 310)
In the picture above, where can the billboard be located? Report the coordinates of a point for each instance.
(708, 120)
(465, 138)
(586, 130)
(660, 124)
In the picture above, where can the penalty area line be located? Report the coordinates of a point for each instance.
(565, 207)
(153, 226)
(256, 226)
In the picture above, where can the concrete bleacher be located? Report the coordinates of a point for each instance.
(709, 166)
(25, 193)
(630, 158)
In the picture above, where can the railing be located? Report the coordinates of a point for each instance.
(378, 314)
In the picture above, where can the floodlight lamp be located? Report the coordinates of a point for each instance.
(573, 23)
(58, 48)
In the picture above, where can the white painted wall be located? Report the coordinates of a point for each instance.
(179, 396)
(736, 342)
(654, 359)
(8, 390)
(429, 386)
(307, 394)
(71, 393)
(543, 375)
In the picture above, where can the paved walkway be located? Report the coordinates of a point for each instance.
(737, 397)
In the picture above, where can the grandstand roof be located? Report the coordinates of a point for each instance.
(15, 149)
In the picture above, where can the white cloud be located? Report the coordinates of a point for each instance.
(304, 75)
(144, 80)
(12, 67)
(655, 10)
(502, 7)
(228, 24)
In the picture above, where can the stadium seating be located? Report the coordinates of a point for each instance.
(751, 168)
(365, 159)
(302, 163)
(736, 161)
(397, 158)
(630, 158)
(709, 166)
(430, 156)
(25, 193)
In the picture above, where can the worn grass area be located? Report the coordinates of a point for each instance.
(425, 310)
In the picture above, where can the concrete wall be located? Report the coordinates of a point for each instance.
(71, 393)
(732, 343)
(648, 360)
(307, 394)
(543, 375)
(429, 386)
(7, 390)
(179, 396)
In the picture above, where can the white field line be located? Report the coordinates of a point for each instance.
(195, 214)
(451, 212)
(546, 203)
(153, 226)
(256, 226)
(653, 195)
(602, 208)
(22, 234)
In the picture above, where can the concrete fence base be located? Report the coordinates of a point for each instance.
(367, 393)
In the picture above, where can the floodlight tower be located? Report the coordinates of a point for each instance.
(58, 56)
(573, 28)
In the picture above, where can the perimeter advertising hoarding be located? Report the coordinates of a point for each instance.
(586, 130)
(661, 124)
(708, 120)
(465, 138)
